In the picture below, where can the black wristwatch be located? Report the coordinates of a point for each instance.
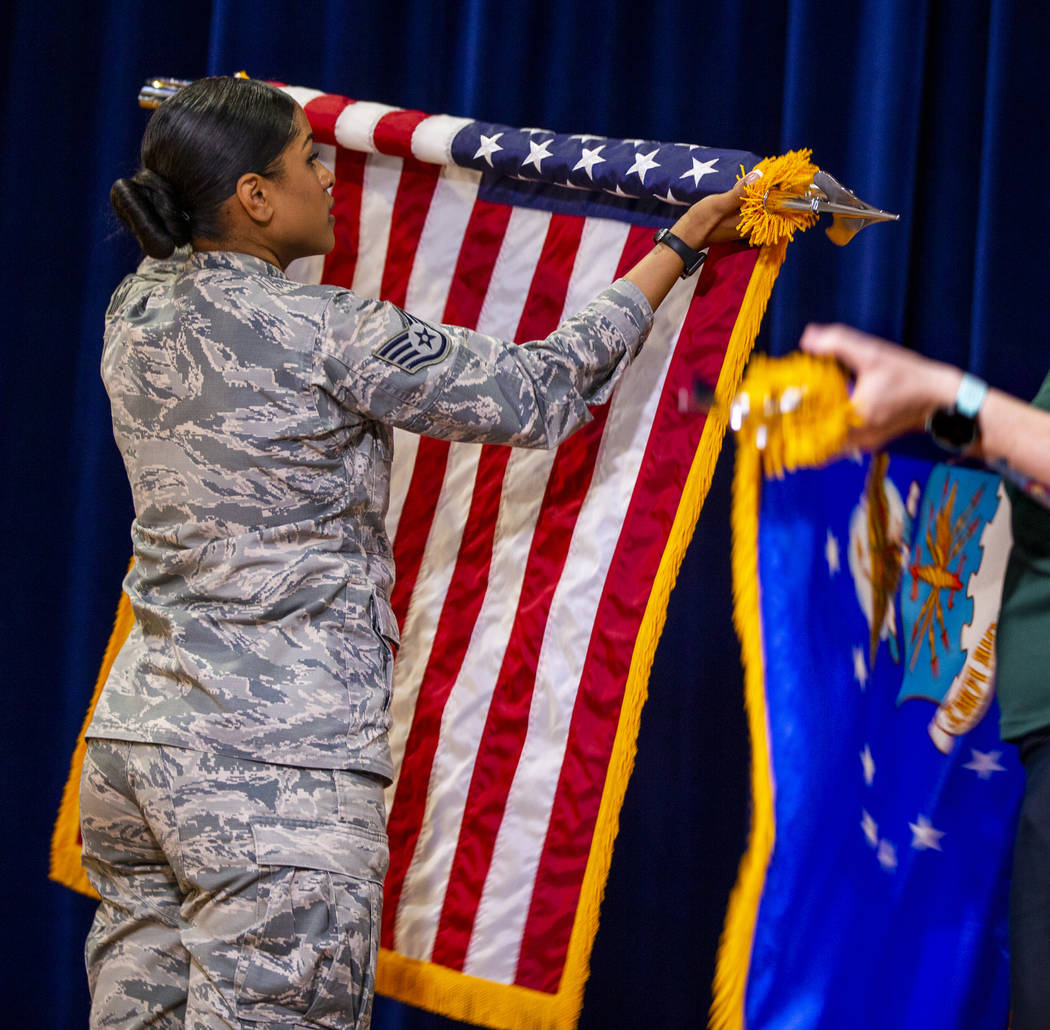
(956, 428)
(692, 259)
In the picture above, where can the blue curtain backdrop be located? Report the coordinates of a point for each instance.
(937, 110)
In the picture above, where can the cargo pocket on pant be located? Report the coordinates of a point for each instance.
(312, 953)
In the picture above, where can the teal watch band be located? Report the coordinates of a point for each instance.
(970, 395)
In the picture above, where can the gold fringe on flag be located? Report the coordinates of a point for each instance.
(798, 413)
(66, 867)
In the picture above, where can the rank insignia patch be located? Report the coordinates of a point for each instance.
(415, 346)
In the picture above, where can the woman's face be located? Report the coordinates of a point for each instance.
(303, 223)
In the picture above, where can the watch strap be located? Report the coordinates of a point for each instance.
(691, 259)
(956, 428)
(970, 395)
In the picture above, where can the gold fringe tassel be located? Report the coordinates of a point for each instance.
(798, 411)
(789, 175)
(811, 432)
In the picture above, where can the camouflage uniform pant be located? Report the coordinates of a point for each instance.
(234, 893)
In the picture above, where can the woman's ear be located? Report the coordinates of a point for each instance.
(253, 198)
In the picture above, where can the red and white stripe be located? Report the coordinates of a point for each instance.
(523, 576)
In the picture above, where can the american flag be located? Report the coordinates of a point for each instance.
(531, 586)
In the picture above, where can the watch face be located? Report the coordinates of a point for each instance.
(952, 429)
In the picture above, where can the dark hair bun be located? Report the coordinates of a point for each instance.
(195, 148)
(146, 204)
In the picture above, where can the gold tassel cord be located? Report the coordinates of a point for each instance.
(795, 411)
(761, 221)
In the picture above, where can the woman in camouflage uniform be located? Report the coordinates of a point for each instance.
(232, 797)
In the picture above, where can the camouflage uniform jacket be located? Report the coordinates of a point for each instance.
(254, 417)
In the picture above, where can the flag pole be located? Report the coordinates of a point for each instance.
(156, 90)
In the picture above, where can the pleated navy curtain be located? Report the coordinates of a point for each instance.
(937, 110)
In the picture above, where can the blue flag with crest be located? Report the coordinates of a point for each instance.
(886, 804)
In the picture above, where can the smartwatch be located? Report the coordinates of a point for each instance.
(956, 428)
(692, 259)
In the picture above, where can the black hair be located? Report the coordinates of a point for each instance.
(196, 146)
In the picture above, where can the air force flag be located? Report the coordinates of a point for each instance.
(878, 873)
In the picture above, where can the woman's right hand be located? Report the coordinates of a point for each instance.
(713, 219)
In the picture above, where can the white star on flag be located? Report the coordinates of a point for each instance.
(644, 163)
(887, 855)
(489, 146)
(699, 170)
(589, 159)
(831, 553)
(869, 765)
(860, 670)
(870, 828)
(537, 153)
(984, 763)
(924, 837)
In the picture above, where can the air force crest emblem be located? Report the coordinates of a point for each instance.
(416, 346)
